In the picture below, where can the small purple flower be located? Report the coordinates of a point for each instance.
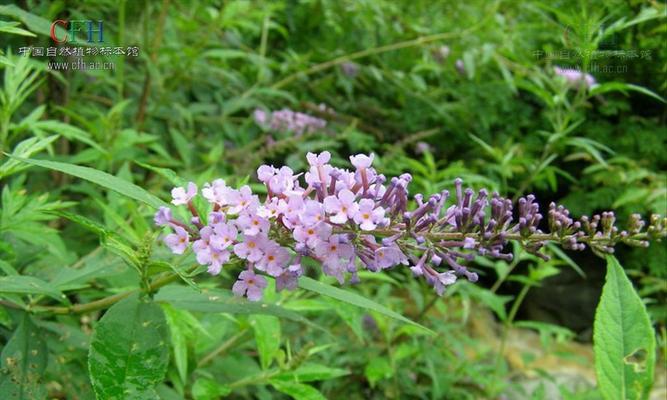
(275, 260)
(334, 249)
(442, 280)
(313, 213)
(178, 241)
(216, 217)
(250, 285)
(214, 259)
(575, 77)
(389, 256)
(342, 206)
(251, 248)
(225, 236)
(162, 216)
(287, 280)
(350, 69)
(260, 116)
(204, 240)
(265, 172)
(368, 216)
(181, 196)
(318, 160)
(282, 181)
(243, 199)
(252, 224)
(361, 161)
(216, 192)
(311, 235)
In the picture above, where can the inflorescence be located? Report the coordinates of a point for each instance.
(348, 220)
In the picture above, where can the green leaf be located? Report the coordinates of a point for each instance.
(219, 301)
(623, 87)
(179, 343)
(354, 299)
(623, 339)
(207, 389)
(28, 285)
(312, 372)
(100, 178)
(297, 391)
(24, 360)
(267, 337)
(378, 368)
(129, 351)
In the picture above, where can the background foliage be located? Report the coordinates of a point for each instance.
(183, 110)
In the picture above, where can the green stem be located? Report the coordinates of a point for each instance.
(510, 319)
(107, 301)
(222, 348)
(372, 51)
(501, 279)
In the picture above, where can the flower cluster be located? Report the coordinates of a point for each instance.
(288, 120)
(575, 77)
(352, 219)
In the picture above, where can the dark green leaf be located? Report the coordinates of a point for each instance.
(24, 360)
(28, 285)
(129, 351)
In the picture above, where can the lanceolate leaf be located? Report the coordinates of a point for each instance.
(220, 302)
(352, 298)
(624, 341)
(297, 391)
(129, 351)
(267, 337)
(100, 178)
(23, 362)
(28, 285)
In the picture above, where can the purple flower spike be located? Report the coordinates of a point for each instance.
(345, 218)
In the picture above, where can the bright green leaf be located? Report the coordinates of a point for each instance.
(267, 337)
(297, 391)
(100, 178)
(352, 298)
(623, 339)
(207, 389)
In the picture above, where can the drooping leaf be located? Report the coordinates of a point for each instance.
(28, 285)
(220, 301)
(179, 339)
(297, 391)
(100, 178)
(24, 360)
(312, 372)
(623, 339)
(352, 298)
(129, 351)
